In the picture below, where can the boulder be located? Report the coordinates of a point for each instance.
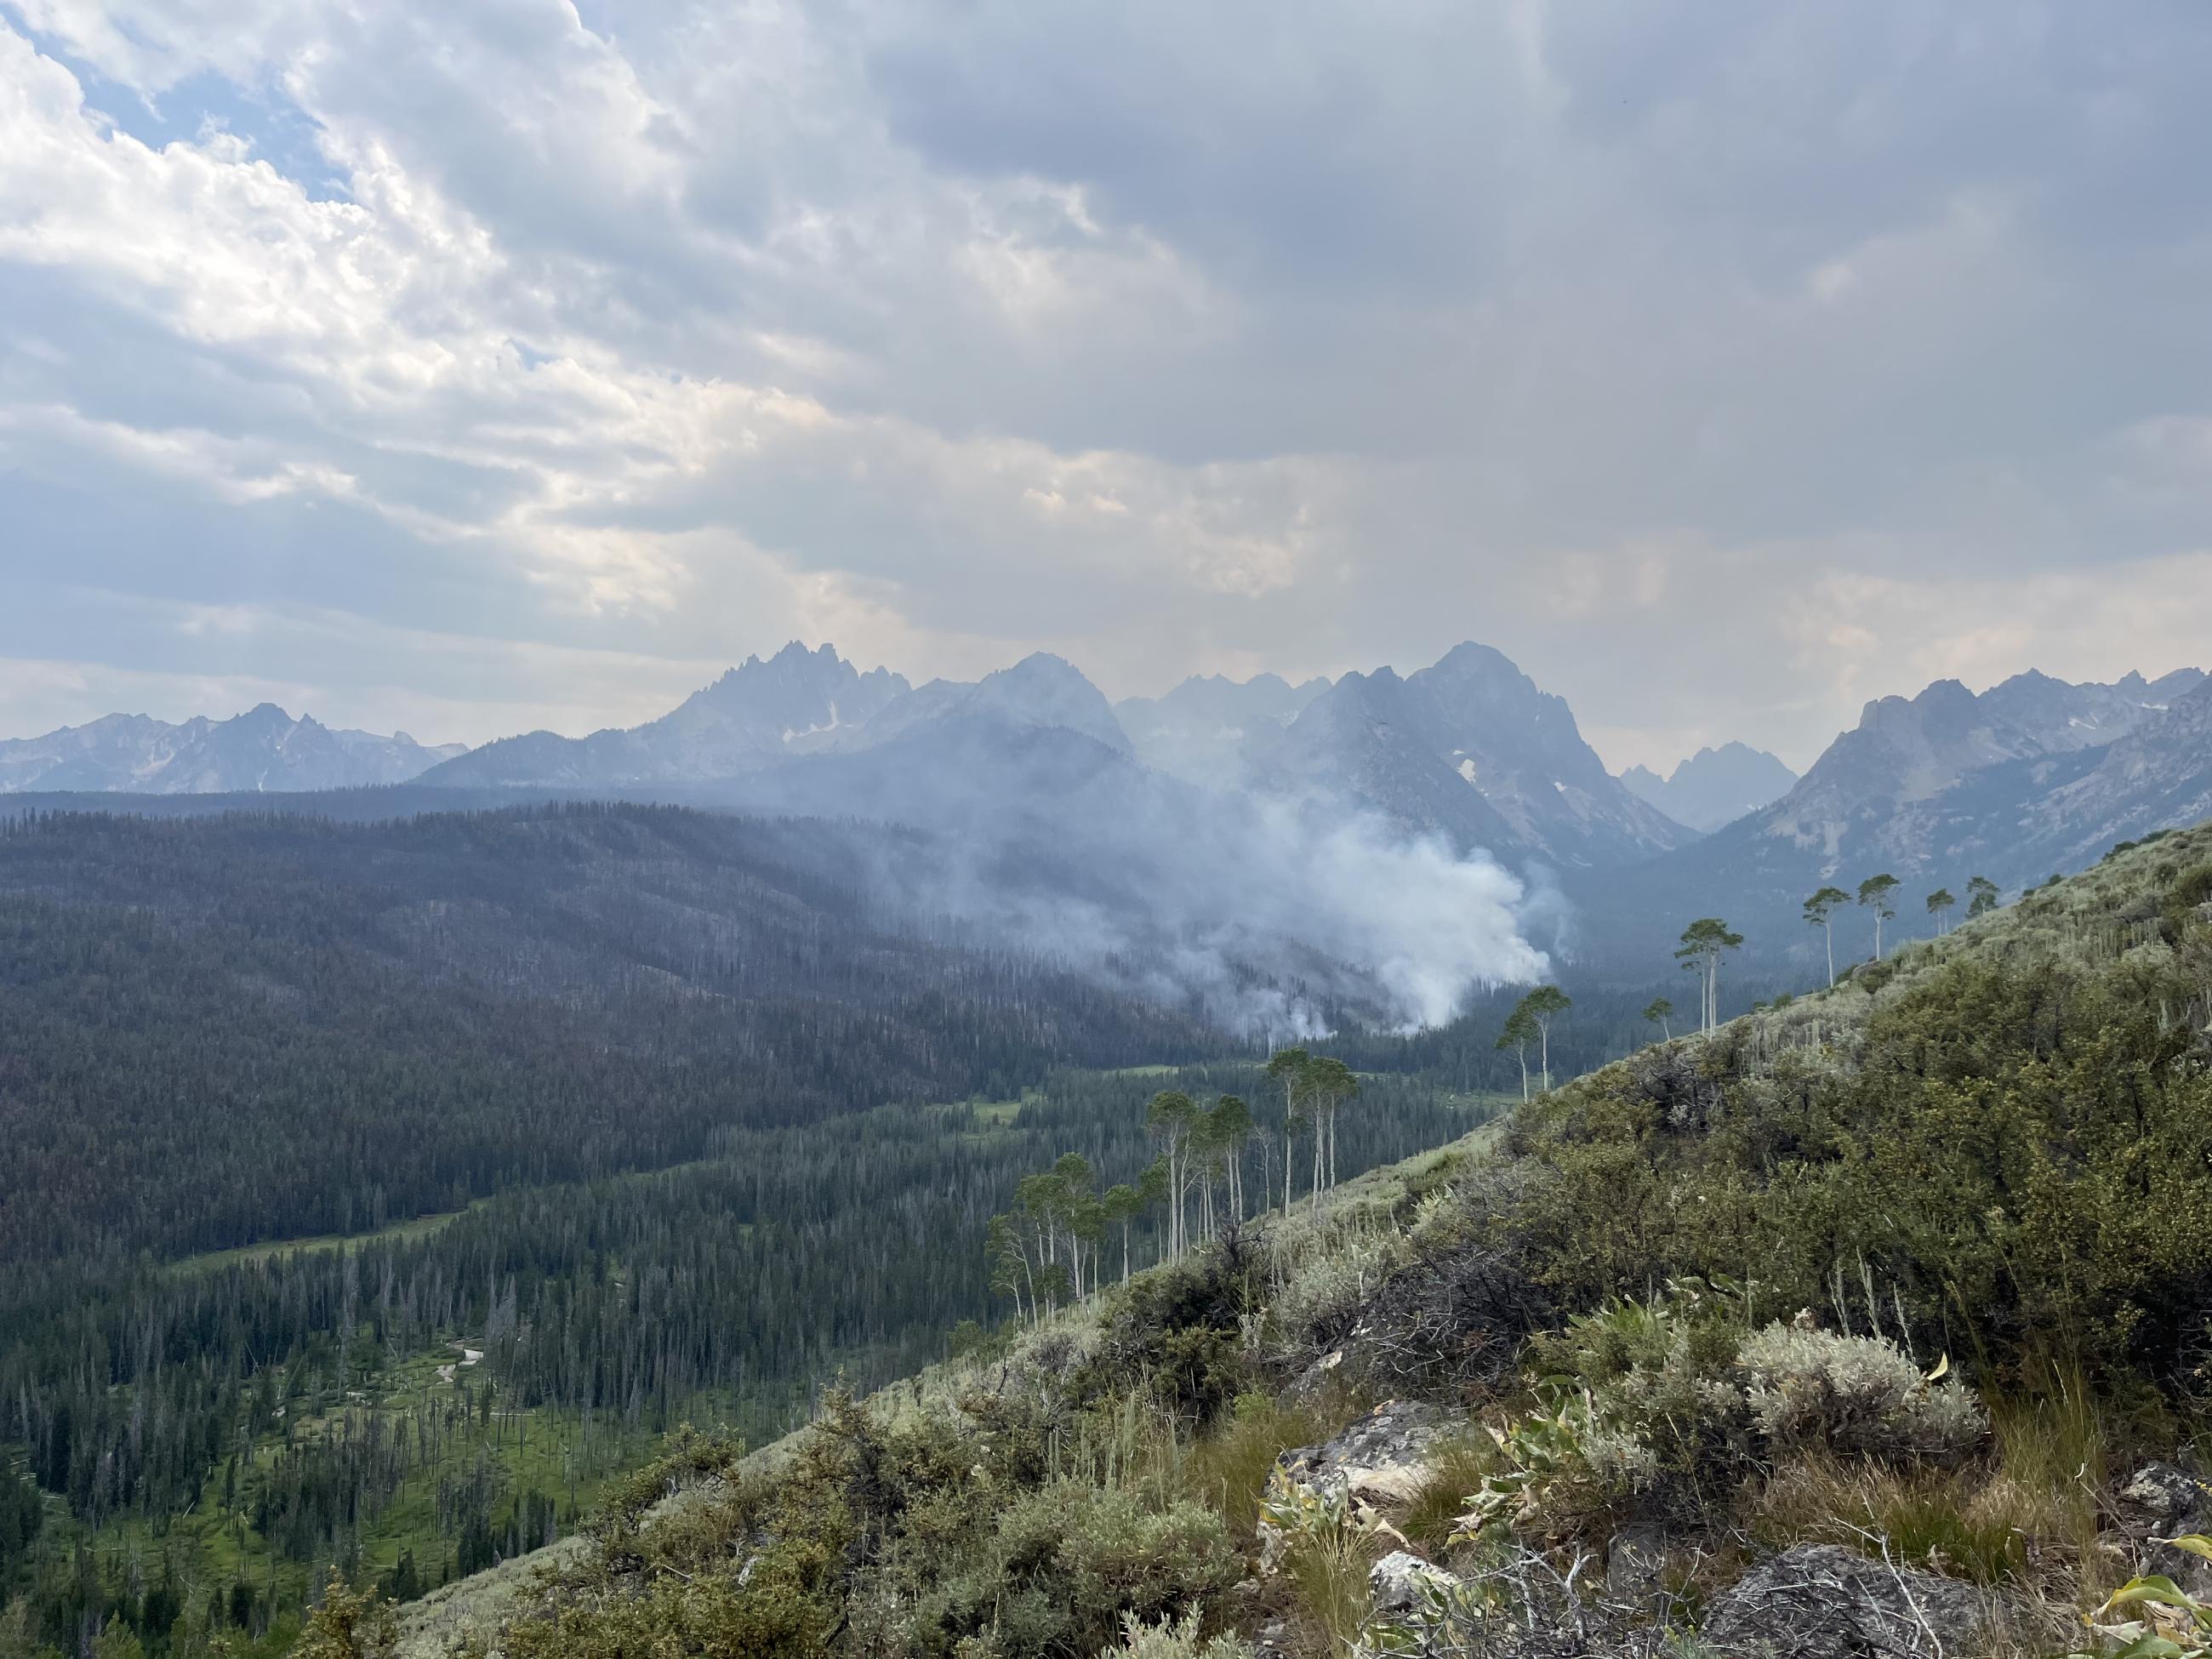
(2163, 1500)
(1821, 1602)
(1381, 1459)
(1312, 1385)
(1400, 1584)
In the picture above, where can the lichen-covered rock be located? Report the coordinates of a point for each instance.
(1402, 1583)
(1381, 1459)
(2163, 1500)
(1820, 1601)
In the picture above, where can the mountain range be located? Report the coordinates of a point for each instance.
(754, 713)
(1469, 749)
(263, 750)
(2031, 778)
(1051, 801)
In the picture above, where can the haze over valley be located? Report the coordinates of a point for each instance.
(1105, 831)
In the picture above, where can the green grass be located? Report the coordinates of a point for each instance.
(420, 1227)
(268, 1249)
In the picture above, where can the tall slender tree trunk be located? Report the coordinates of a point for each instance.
(1829, 928)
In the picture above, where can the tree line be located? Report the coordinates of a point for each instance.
(1215, 1166)
(1707, 941)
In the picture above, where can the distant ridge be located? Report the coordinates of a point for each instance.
(1714, 787)
(263, 750)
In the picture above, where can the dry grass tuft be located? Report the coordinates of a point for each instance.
(1229, 1470)
(1456, 1468)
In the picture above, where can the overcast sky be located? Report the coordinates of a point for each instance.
(479, 364)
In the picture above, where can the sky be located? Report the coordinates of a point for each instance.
(479, 366)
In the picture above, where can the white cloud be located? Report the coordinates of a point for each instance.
(1724, 365)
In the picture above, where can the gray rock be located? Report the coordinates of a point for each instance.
(1820, 1601)
(1633, 1562)
(1312, 1385)
(2163, 1500)
(1400, 1583)
(1381, 1458)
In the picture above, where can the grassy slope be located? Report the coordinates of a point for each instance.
(2010, 1127)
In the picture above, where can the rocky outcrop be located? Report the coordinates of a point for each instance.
(1820, 1601)
(1382, 1459)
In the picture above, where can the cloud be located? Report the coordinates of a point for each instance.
(1689, 354)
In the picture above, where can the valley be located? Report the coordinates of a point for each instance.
(398, 1168)
(1105, 831)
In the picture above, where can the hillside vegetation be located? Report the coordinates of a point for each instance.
(1866, 1309)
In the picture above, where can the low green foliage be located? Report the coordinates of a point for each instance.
(1230, 1469)
(1176, 1639)
(983, 1530)
(2153, 1618)
(348, 1624)
(1665, 1408)
(2009, 1142)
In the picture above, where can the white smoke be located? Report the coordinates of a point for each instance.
(1277, 916)
(1429, 925)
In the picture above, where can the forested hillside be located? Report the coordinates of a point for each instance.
(1877, 1322)
(213, 1031)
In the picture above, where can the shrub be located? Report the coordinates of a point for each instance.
(1171, 1640)
(1855, 1395)
(1065, 1564)
(1661, 1408)
(1175, 1330)
(345, 1625)
(1323, 1289)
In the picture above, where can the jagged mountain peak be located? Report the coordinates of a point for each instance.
(1472, 748)
(1041, 690)
(1472, 660)
(1713, 786)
